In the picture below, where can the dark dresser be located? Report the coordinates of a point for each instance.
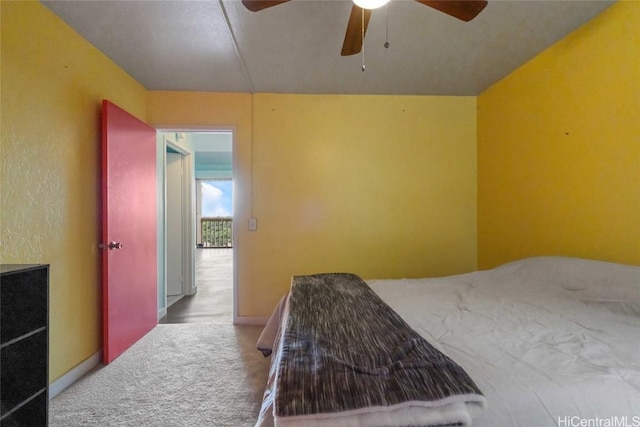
(24, 345)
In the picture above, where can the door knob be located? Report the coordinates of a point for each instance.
(115, 245)
(111, 245)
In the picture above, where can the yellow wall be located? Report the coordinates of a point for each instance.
(382, 186)
(53, 82)
(559, 149)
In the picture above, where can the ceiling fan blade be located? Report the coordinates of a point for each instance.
(353, 38)
(258, 5)
(465, 10)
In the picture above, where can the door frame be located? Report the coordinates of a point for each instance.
(190, 179)
(188, 278)
(188, 223)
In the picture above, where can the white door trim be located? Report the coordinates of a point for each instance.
(175, 221)
(188, 223)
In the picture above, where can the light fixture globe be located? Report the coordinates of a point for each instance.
(370, 4)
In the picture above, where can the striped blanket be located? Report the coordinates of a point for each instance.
(343, 357)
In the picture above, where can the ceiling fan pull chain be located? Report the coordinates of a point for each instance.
(386, 11)
(362, 39)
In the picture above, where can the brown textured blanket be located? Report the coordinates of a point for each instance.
(343, 349)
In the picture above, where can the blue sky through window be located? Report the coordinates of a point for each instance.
(217, 197)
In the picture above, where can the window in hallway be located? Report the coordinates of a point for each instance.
(217, 197)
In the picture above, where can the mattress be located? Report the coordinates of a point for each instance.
(550, 341)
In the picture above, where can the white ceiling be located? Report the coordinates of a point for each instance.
(219, 46)
(212, 150)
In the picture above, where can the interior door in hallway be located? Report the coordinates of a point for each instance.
(129, 233)
(175, 218)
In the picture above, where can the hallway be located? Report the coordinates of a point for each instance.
(213, 302)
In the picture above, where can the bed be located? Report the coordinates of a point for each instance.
(544, 341)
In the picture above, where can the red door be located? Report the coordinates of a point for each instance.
(129, 239)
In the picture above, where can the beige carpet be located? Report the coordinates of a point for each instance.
(177, 375)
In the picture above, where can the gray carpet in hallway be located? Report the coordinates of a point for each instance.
(213, 302)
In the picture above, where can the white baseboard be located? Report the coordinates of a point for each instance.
(74, 375)
(162, 312)
(250, 320)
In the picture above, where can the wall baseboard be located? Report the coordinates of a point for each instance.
(74, 375)
(250, 320)
(161, 313)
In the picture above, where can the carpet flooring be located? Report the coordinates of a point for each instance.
(177, 375)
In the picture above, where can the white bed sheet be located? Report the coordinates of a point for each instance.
(550, 341)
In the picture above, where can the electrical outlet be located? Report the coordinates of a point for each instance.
(253, 224)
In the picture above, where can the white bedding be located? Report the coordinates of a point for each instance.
(550, 341)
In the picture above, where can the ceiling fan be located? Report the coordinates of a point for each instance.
(464, 10)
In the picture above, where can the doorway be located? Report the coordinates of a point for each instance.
(210, 165)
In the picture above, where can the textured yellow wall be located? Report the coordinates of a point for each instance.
(382, 186)
(53, 82)
(559, 149)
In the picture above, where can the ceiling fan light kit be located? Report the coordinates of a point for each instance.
(370, 4)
